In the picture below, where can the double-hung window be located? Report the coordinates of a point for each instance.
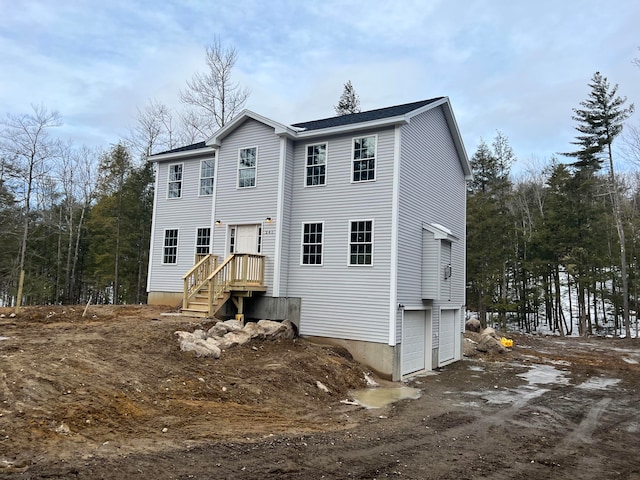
(312, 243)
(316, 171)
(175, 181)
(361, 242)
(206, 176)
(170, 254)
(203, 240)
(364, 159)
(247, 164)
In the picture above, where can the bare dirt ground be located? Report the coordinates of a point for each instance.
(111, 396)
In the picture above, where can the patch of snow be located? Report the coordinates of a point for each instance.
(599, 383)
(545, 375)
(475, 368)
(626, 359)
(4, 338)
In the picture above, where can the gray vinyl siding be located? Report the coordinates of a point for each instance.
(171, 213)
(338, 300)
(432, 190)
(237, 206)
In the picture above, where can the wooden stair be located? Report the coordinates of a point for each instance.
(207, 286)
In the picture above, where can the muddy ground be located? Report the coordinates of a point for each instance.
(110, 395)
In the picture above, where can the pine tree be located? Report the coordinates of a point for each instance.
(600, 121)
(349, 101)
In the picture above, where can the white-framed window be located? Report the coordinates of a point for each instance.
(207, 171)
(361, 242)
(203, 240)
(364, 159)
(170, 253)
(311, 253)
(232, 240)
(316, 165)
(247, 167)
(175, 181)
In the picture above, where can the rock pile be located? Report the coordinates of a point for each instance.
(486, 341)
(231, 333)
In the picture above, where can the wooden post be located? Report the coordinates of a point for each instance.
(20, 288)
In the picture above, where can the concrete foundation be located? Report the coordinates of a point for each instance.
(172, 299)
(379, 357)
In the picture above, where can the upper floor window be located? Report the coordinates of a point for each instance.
(203, 240)
(316, 164)
(170, 253)
(206, 176)
(247, 162)
(175, 181)
(361, 243)
(312, 243)
(364, 159)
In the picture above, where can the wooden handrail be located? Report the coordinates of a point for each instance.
(198, 276)
(238, 271)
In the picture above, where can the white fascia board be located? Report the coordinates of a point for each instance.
(352, 127)
(180, 155)
(440, 232)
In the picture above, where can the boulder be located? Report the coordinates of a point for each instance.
(199, 333)
(469, 348)
(233, 339)
(255, 330)
(473, 325)
(200, 348)
(185, 336)
(218, 330)
(233, 325)
(489, 344)
(490, 332)
(274, 330)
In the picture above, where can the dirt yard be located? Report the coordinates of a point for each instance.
(111, 396)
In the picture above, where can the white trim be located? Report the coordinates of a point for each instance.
(153, 229)
(229, 127)
(213, 202)
(255, 167)
(302, 224)
(326, 161)
(175, 181)
(200, 178)
(375, 158)
(277, 254)
(373, 243)
(164, 238)
(393, 281)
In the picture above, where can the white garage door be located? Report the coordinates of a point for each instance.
(447, 347)
(414, 335)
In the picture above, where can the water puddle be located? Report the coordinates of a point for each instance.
(382, 396)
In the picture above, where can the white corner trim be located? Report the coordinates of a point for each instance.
(277, 256)
(153, 229)
(393, 281)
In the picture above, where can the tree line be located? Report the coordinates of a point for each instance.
(558, 248)
(555, 249)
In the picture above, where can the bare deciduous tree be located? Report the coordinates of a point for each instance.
(25, 139)
(213, 95)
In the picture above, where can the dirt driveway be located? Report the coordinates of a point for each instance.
(111, 396)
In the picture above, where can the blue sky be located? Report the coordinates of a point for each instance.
(514, 66)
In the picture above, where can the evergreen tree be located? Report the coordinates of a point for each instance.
(349, 101)
(600, 121)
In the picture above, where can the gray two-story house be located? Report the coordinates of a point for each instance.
(352, 226)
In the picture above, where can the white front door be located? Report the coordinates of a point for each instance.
(246, 238)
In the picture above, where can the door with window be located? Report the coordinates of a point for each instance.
(245, 239)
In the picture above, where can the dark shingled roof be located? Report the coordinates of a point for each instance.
(193, 146)
(378, 114)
